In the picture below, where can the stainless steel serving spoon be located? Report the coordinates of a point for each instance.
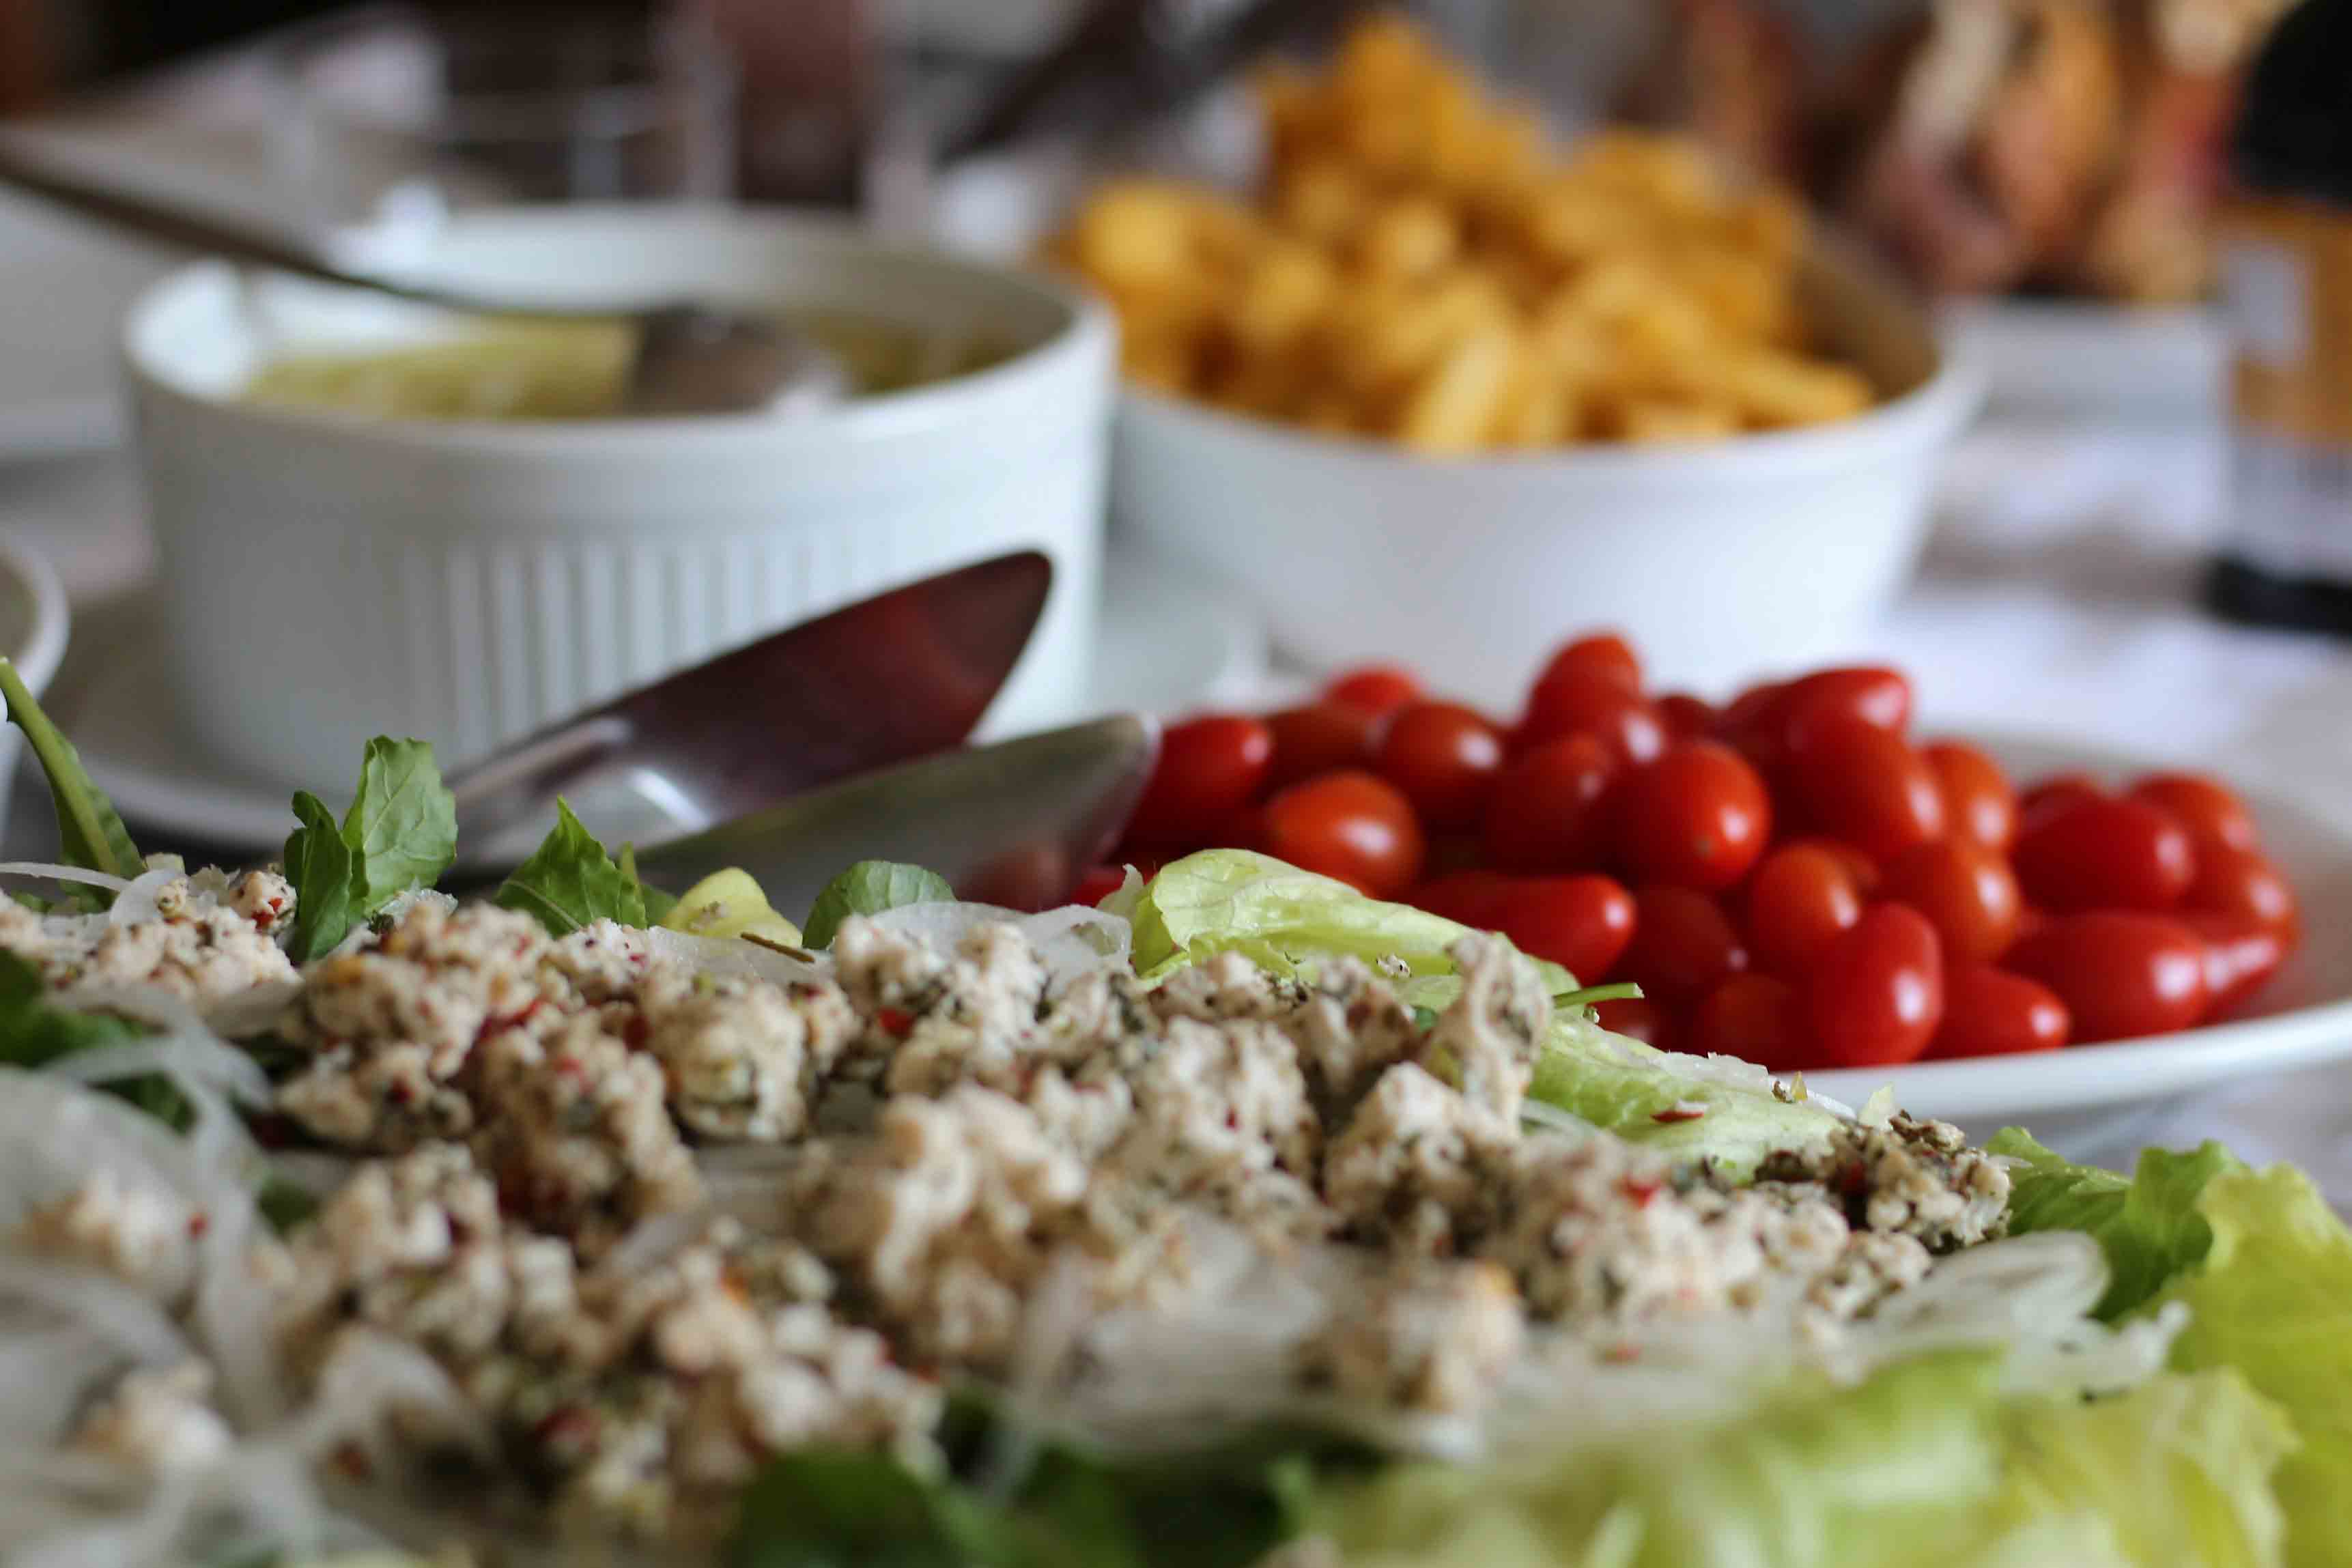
(691, 357)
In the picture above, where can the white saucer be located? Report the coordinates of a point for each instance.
(2302, 1016)
(1168, 642)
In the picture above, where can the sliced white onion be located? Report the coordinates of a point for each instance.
(135, 905)
(1071, 942)
(731, 956)
(49, 870)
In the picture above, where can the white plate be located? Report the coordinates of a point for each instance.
(1168, 643)
(2303, 1016)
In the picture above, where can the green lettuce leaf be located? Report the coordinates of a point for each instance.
(90, 833)
(2149, 1225)
(1643, 1094)
(2273, 1300)
(2178, 1470)
(33, 1034)
(318, 864)
(1281, 917)
(400, 835)
(570, 880)
(869, 887)
(1925, 1462)
(402, 824)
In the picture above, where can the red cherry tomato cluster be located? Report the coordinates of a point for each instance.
(1789, 878)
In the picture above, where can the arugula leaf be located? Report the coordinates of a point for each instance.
(400, 835)
(869, 887)
(33, 1034)
(90, 833)
(402, 824)
(570, 880)
(320, 864)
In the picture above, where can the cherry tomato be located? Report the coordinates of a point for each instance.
(1601, 652)
(1751, 712)
(2240, 955)
(1471, 897)
(1966, 891)
(1979, 804)
(1637, 1018)
(2121, 973)
(1697, 817)
(2105, 854)
(1590, 702)
(1683, 944)
(1209, 769)
(1321, 738)
(1866, 785)
(2060, 793)
(1451, 853)
(1992, 1012)
(1759, 1017)
(1858, 865)
(2231, 881)
(1100, 883)
(2209, 809)
(1352, 826)
(1686, 717)
(1444, 757)
(1876, 996)
(1800, 899)
(1875, 696)
(1544, 814)
(1580, 922)
(1377, 689)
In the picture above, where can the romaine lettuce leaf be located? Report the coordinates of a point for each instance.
(1223, 900)
(2149, 1225)
(2272, 1300)
(1646, 1095)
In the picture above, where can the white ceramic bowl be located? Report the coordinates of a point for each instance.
(33, 619)
(1718, 558)
(331, 575)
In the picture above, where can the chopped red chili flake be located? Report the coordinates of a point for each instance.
(570, 1426)
(896, 1022)
(1639, 1193)
(1678, 1112)
(199, 1222)
(636, 1032)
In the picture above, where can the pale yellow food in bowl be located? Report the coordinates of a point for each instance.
(1420, 266)
(575, 370)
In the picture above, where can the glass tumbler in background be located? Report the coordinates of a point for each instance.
(400, 115)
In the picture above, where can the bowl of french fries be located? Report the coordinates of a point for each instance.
(1438, 385)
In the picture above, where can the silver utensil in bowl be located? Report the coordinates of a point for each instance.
(889, 678)
(691, 357)
(1017, 824)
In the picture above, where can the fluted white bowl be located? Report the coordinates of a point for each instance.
(330, 575)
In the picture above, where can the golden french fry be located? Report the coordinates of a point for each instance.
(1649, 420)
(1410, 239)
(1538, 404)
(1321, 202)
(1452, 410)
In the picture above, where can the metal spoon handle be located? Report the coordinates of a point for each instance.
(213, 234)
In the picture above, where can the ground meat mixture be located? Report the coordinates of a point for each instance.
(214, 938)
(956, 1140)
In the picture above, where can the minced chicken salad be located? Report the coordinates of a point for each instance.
(1244, 1220)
